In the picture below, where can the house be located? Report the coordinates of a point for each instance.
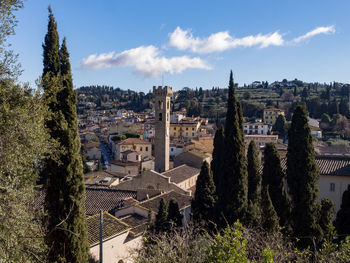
(152, 204)
(184, 176)
(260, 140)
(133, 144)
(186, 128)
(103, 178)
(271, 114)
(256, 128)
(334, 177)
(118, 243)
(193, 158)
(93, 151)
(125, 167)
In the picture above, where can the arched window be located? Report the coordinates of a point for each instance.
(160, 105)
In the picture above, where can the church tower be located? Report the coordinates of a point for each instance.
(162, 135)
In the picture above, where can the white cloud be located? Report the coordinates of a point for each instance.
(146, 61)
(221, 41)
(319, 30)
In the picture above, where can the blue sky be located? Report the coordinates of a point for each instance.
(133, 44)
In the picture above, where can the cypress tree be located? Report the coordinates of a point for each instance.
(254, 186)
(65, 190)
(269, 216)
(326, 217)
(342, 222)
(233, 198)
(280, 126)
(51, 46)
(302, 176)
(161, 223)
(216, 162)
(174, 215)
(274, 177)
(203, 204)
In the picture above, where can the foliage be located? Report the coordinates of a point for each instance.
(131, 134)
(254, 185)
(302, 177)
(118, 137)
(228, 247)
(342, 220)
(203, 203)
(65, 191)
(274, 177)
(233, 198)
(174, 215)
(269, 216)
(161, 223)
(216, 162)
(280, 126)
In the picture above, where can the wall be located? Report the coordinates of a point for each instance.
(341, 184)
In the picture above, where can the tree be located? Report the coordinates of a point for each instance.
(161, 223)
(65, 190)
(254, 185)
(233, 198)
(269, 220)
(342, 221)
(23, 143)
(326, 217)
(280, 126)
(174, 215)
(274, 177)
(203, 203)
(217, 158)
(302, 177)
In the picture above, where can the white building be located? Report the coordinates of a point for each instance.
(256, 128)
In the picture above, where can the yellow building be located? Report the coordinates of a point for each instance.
(186, 129)
(271, 115)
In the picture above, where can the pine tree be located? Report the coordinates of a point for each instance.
(216, 162)
(174, 215)
(342, 221)
(161, 223)
(269, 216)
(274, 177)
(233, 198)
(254, 185)
(203, 203)
(302, 177)
(65, 190)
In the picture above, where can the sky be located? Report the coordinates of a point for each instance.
(140, 44)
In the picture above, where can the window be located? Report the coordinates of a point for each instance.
(168, 105)
(160, 116)
(172, 149)
(137, 157)
(192, 129)
(146, 149)
(160, 105)
(332, 187)
(192, 133)
(174, 128)
(141, 148)
(186, 129)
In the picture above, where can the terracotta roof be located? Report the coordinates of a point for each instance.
(181, 173)
(153, 203)
(97, 178)
(137, 222)
(124, 163)
(112, 226)
(329, 165)
(133, 141)
(105, 199)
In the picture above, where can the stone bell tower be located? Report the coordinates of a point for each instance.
(162, 118)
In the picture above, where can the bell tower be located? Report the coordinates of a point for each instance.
(162, 118)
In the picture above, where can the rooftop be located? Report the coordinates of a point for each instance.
(133, 141)
(111, 226)
(181, 173)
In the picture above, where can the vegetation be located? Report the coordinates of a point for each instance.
(233, 198)
(302, 176)
(23, 143)
(342, 221)
(203, 203)
(174, 215)
(274, 177)
(65, 191)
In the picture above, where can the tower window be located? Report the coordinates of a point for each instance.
(160, 105)
(160, 116)
(168, 105)
(332, 187)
